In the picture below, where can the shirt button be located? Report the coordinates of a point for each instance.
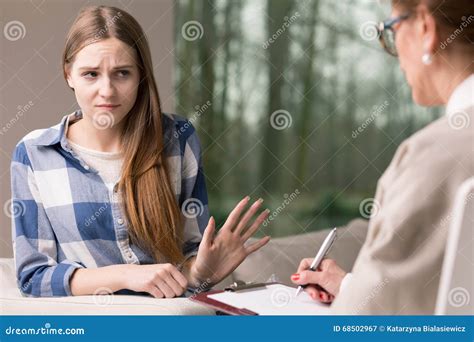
(86, 167)
(120, 221)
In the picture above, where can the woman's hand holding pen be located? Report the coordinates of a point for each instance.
(322, 285)
(220, 254)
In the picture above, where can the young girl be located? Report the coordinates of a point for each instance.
(113, 197)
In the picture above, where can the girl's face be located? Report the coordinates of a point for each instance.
(105, 78)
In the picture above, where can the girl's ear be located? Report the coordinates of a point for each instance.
(69, 80)
(70, 83)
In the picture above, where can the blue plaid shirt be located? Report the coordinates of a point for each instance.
(65, 217)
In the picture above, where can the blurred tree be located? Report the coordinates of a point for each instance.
(310, 93)
(277, 12)
(319, 68)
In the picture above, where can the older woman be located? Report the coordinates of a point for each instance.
(398, 268)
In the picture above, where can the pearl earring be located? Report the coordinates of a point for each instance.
(427, 58)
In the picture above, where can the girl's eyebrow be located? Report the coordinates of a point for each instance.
(114, 68)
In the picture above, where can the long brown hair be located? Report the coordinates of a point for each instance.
(148, 197)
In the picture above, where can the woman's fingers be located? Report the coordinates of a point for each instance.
(234, 215)
(318, 294)
(325, 297)
(308, 277)
(248, 215)
(326, 264)
(256, 224)
(257, 245)
(304, 265)
(313, 292)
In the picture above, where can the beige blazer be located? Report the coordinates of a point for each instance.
(398, 268)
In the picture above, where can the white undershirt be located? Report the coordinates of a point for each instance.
(108, 164)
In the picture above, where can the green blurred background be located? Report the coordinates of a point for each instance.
(342, 105)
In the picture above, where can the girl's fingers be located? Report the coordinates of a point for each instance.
(208, 234)
(256, 224)
(234, 215)
(174, 285)
(248, 215)
(180, 278)
(257, 245)
(165, 288)
(155, 292)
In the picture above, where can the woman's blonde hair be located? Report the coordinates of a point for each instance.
(148, 197)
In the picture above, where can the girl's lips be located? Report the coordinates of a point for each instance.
(108, 107)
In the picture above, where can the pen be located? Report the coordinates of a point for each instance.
(323, 251)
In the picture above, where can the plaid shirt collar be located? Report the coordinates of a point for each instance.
(57, 134)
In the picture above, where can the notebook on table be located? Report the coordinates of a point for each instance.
(261, 299)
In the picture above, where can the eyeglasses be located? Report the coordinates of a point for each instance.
(386, 33)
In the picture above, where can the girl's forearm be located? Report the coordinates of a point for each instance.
(86, 281)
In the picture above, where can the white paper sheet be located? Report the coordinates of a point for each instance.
(273, 299)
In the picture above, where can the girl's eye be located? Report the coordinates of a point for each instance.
(90, 74)
(123, 73)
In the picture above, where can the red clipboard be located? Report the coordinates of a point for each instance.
(226, 308)
(219, 306)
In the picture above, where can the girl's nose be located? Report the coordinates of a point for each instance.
(106, 88)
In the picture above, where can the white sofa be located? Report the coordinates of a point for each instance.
(279, 259)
